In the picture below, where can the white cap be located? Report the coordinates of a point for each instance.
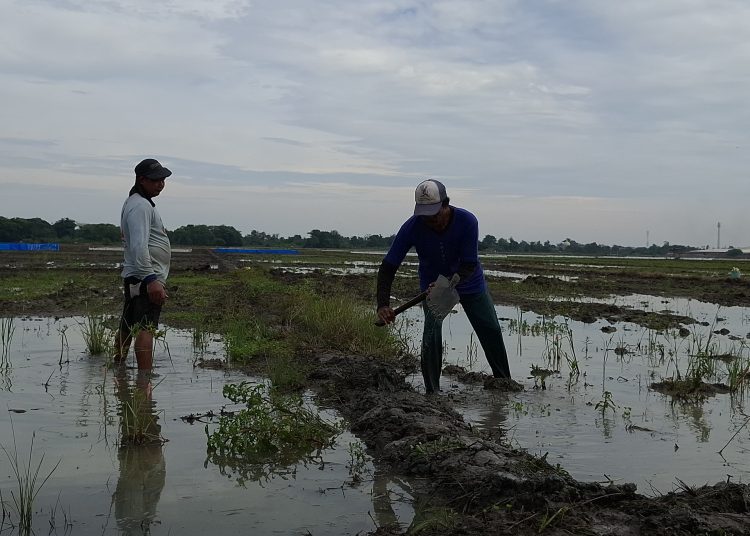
(429, 197)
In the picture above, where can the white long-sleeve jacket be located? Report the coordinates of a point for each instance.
(147, 248)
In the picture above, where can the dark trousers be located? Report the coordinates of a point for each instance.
(482, 316)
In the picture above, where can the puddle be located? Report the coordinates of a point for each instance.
(521, 276)
(167, 488)
(735, 318)
(354, 268)
(672, 439)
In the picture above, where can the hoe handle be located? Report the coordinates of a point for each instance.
(404, 306)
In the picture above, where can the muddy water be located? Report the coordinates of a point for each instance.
(100, 488)
(645, 437)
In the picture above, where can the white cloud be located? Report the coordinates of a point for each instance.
(595, 117)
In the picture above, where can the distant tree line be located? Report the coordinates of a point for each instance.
(67, 230)
(64, 230)
(490, 244)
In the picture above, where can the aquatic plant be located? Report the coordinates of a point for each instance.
(651, 347)
(67, 518)
(559, 345)
(96, 335)
(738, 372)
(700, 367)
(621, 347)
(606, 403)
(272, 430)
(139, 423)
(7, 329)
(199, 337)
(358, 460)
(540, 375)
(64, 346)
(160, 337)
(541, 326)
(28, 483)
(553, 352)
(570, 357)
(519, 342)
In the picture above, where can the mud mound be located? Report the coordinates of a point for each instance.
(496, 384)
(689, 388)
(494, 489)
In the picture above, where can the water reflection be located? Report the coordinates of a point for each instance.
(494, 417)
(694, 411)
(618, 369)
(391, 501)
(6, 383)
(140, 454)
(109, 486)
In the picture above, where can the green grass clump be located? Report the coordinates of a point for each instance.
(270, 433)
(248, 339)
(28, 483)
(97, 336)
(339, 323)
(139, 425)
(286, 373)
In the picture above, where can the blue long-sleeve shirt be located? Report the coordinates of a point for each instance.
(441, 253)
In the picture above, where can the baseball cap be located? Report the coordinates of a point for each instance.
(151, 169)
(429, 197)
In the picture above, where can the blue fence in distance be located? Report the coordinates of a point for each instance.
(14, 246)
(257, 251)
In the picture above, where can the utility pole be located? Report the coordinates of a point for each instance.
(647, 244)
(718, 235)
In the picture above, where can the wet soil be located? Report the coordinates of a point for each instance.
(493, 489)
(535, 300)
(532, 294)
(688, 389)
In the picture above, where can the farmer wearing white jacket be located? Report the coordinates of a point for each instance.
(146, 265)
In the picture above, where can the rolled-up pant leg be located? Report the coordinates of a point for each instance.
(481, 313)
(432, 351)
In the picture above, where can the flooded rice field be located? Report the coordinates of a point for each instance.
(71, 406)
(605, 423)
(607, 402)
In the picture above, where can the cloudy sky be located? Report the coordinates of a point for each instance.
(598, 120)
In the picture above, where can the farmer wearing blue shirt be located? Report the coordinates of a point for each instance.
(446, 241)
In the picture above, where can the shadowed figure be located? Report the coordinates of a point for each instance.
(140, 454)
(446, 241)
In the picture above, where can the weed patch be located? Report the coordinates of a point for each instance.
(96, 335)
(248, 339)
(268, 435)
(28, 483)
(339, 323)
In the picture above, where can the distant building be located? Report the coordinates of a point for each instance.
(718, 253)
